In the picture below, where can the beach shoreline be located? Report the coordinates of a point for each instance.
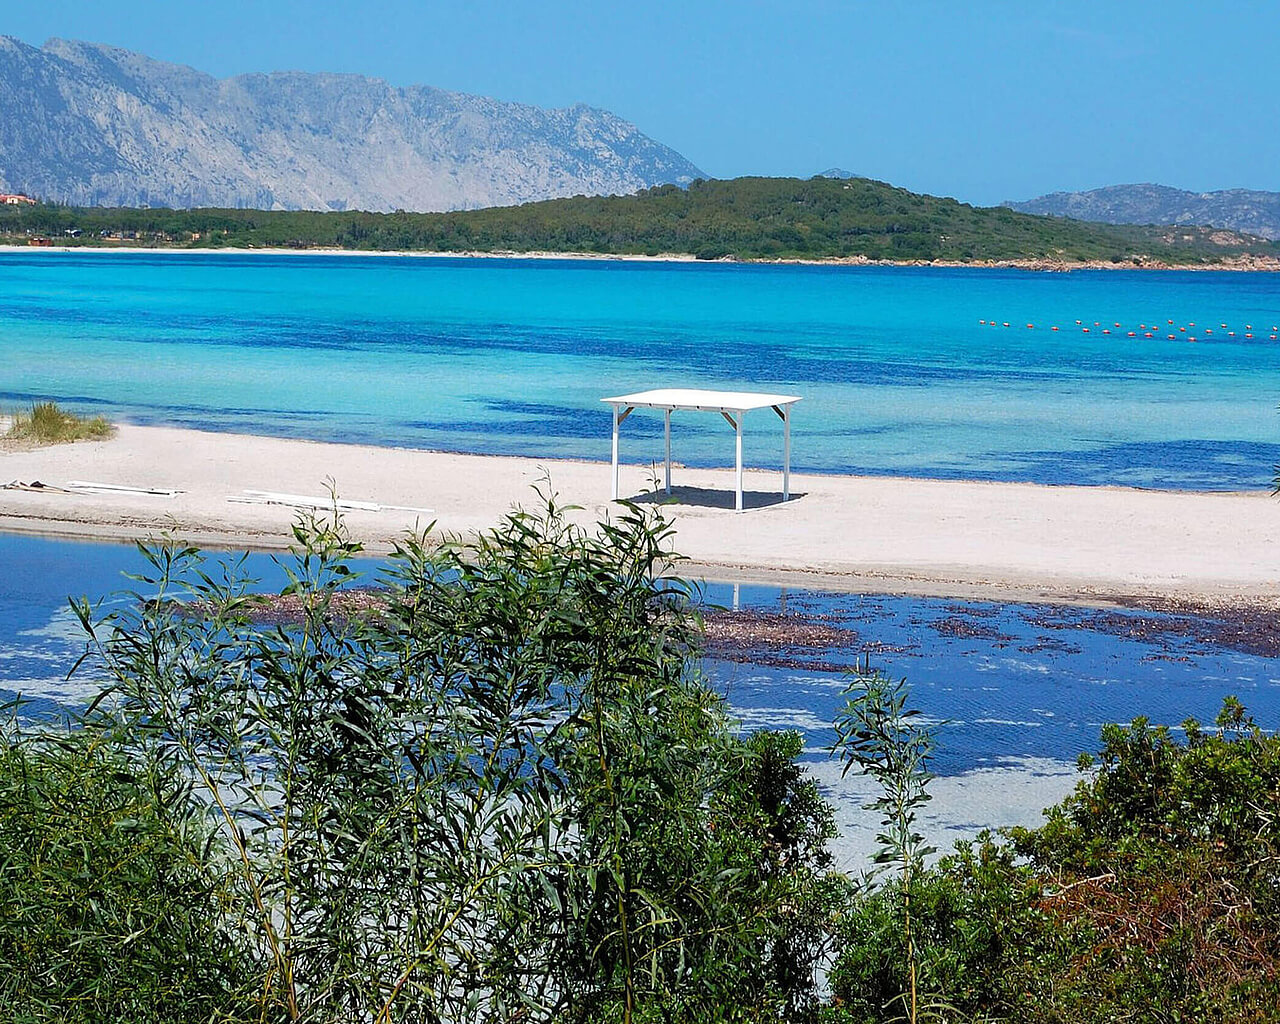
(1234, 264)
(971, 540)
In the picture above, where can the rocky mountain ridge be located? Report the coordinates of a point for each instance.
(93, 125)
(1248, 211)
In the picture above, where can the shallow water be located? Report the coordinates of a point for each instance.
(1015, 692)
(512, 356)
(1001, 682)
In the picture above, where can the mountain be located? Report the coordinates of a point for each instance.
(837, 172)
(1237, 209)
(745, 218)
(88, 124)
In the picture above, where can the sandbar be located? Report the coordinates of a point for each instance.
(961, 538)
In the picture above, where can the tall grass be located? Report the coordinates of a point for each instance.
(47, 423)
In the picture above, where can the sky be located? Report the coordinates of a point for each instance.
(984, 101)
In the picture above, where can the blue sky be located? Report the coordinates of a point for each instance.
(984, 101)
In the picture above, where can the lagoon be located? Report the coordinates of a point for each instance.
(1016, 691)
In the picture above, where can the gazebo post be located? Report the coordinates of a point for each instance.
(615, 453)
(668, 437)
(786, 452)
(738, 425)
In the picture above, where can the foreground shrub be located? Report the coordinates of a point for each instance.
(501, 793)
(109, 905)
(1152, 893)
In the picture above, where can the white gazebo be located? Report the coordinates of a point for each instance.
(732, 405)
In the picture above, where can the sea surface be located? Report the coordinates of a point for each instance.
(898, 371)
(1014, 692)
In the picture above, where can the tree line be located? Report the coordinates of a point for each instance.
(744, 218)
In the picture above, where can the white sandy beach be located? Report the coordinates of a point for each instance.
(960, 538)
(1246, 262)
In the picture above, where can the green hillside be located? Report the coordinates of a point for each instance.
(745, 218)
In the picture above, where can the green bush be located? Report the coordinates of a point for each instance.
(110, 903)
(1151, 893)
(502, 793)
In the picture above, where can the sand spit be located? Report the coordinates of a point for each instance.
(967, 539)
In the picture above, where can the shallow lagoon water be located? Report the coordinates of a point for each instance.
(1002, 682)
(512, 356)
(1017, 692)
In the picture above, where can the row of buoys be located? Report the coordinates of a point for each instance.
(1150, 330)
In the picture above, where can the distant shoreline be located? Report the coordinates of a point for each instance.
(1246, 264)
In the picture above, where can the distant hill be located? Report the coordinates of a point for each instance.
(838, 172)
(746, 218)
(91, 125)
(1237, 209)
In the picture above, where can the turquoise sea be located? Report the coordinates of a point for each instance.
(512, 355)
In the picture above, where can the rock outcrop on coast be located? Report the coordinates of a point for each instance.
(1237, 209)
(91, 125)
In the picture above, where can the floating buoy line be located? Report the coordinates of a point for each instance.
(1151, 330)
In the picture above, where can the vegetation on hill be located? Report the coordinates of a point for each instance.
(746, 218)
(504, 793)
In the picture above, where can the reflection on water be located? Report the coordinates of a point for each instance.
(1017, 691)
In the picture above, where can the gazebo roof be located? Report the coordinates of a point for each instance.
(702, 400)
